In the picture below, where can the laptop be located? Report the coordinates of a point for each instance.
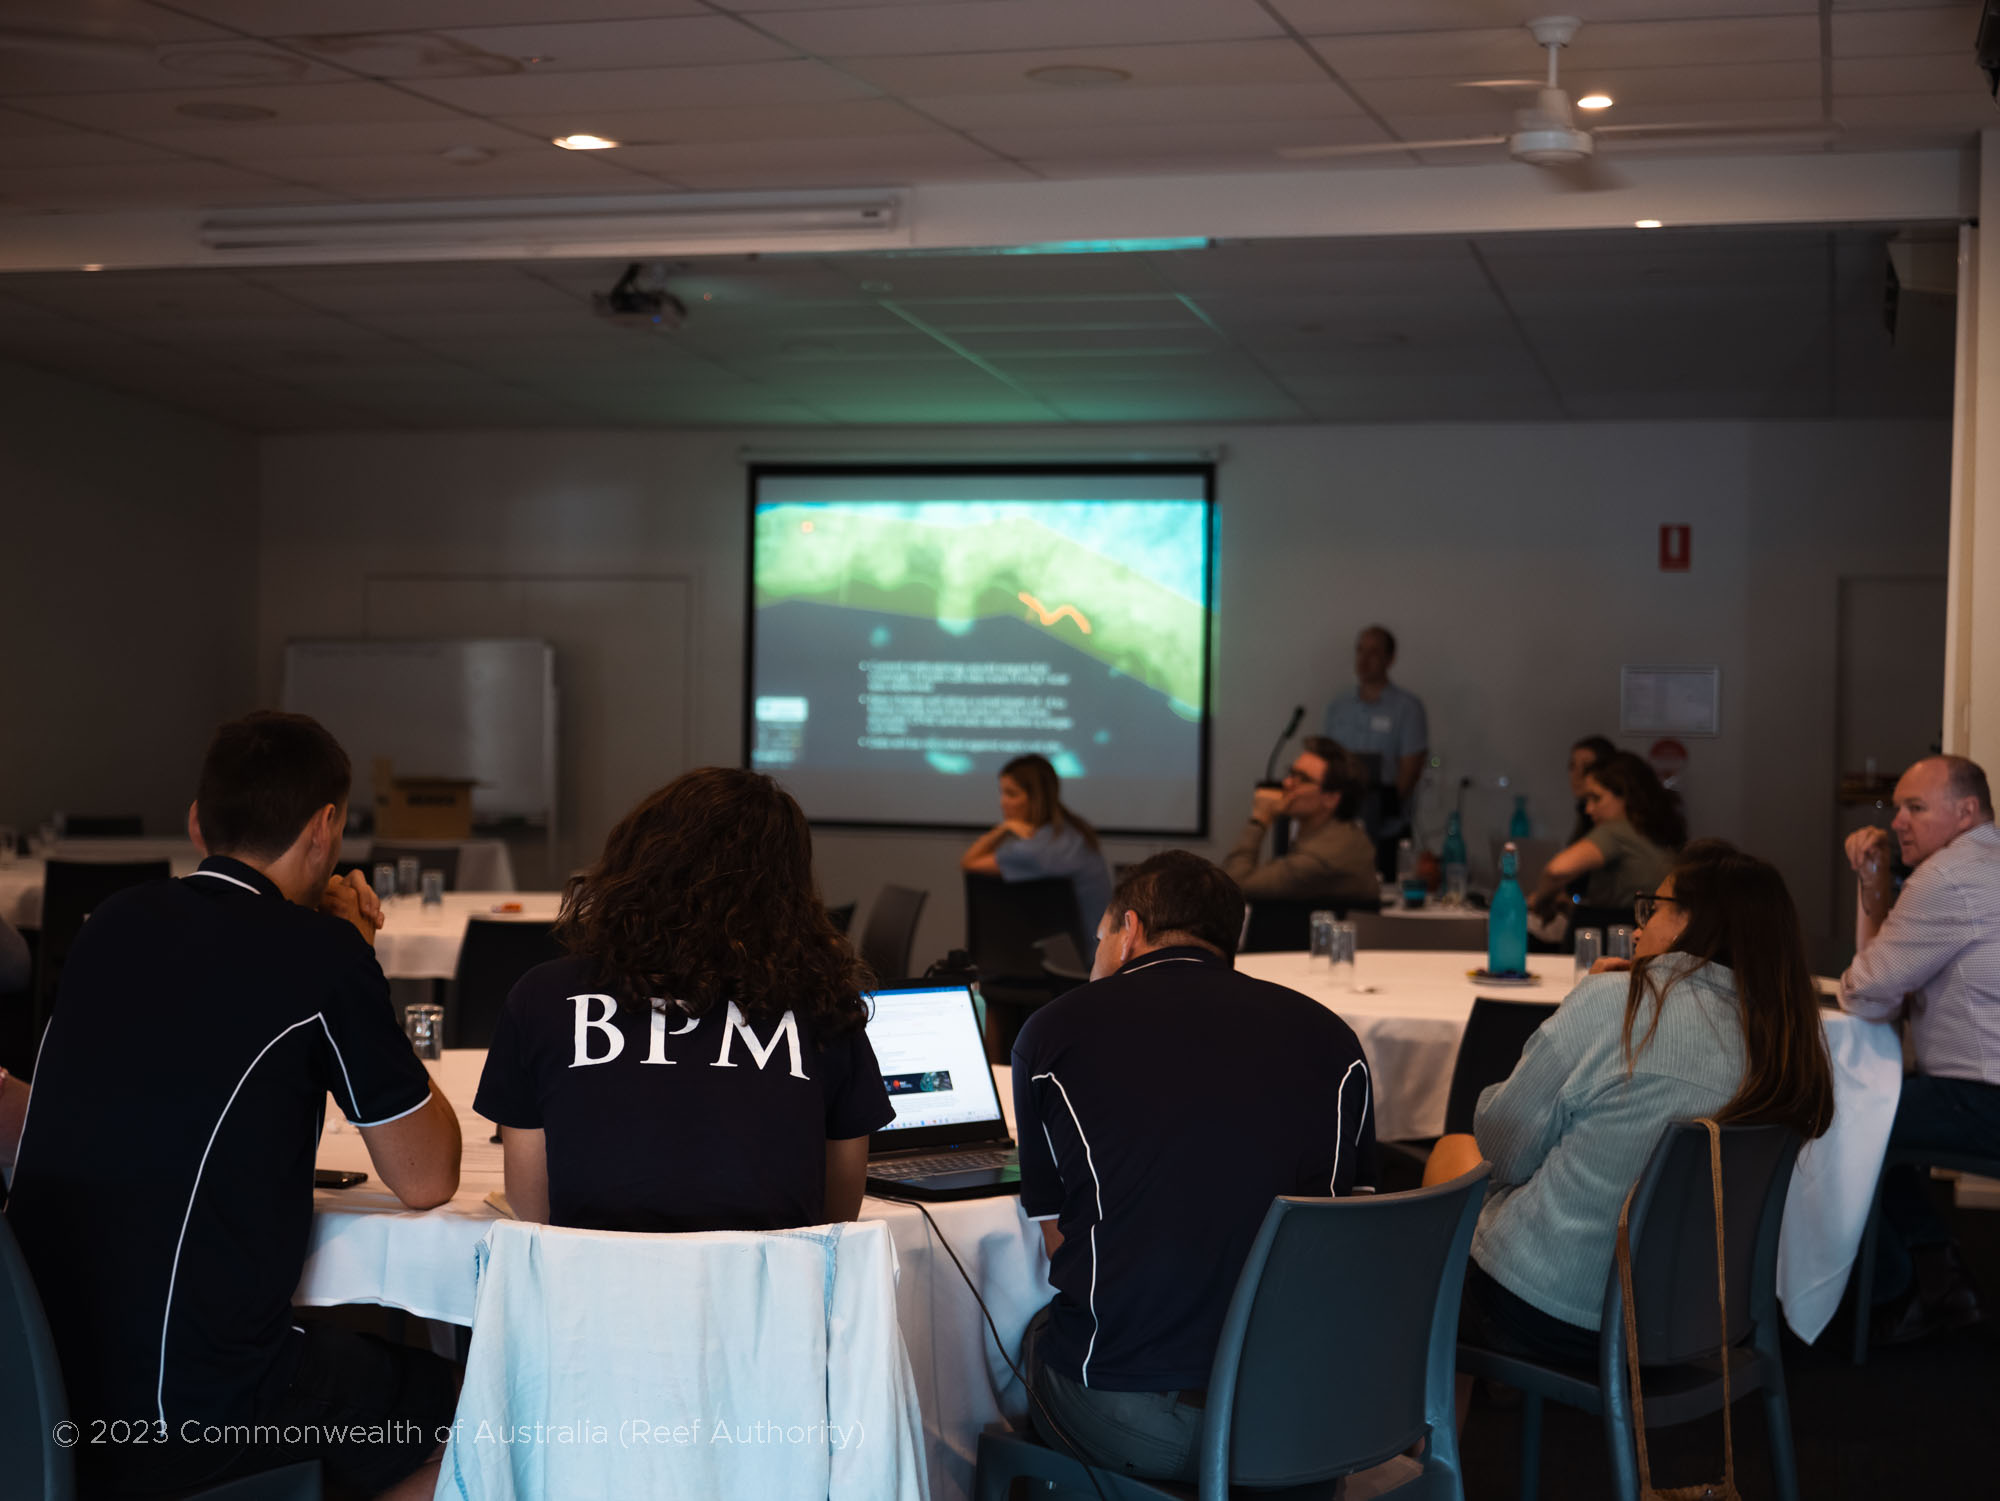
(949, 1139)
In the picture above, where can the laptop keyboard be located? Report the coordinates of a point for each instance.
(944, 1162)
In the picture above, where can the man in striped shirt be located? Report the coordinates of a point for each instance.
(1931, 956)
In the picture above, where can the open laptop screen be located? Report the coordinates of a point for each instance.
(927, 1043)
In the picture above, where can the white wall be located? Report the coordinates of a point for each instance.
(128, 577)
(1516, 562)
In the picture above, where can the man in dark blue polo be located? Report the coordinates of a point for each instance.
(1160, 1109)
(164, 1194)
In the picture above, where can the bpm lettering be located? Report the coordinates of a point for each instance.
(734, 1024)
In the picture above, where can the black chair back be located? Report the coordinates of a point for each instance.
(1495, 1033)
(1006, 921)
(1373, 930)
(497, 951)
(428, 857)
(71, 891)
(32, 1402)
(842, 917)
(1673, 1237)
(1274, 927)
(892, 932)
(1324, 1279)
(103, 826)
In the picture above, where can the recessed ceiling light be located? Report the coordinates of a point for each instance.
(91, 266)
(585, 142)
(223, 109)
(466, 156)
(1078, 76)
(1645, 223)
(1594, 101)
(239, 64)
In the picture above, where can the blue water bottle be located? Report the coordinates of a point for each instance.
(1507, 922)
(1518, 827)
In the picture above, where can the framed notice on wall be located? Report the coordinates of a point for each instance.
(1670, 700)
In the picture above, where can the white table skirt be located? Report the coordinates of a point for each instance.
(1413, 1015)
(366, 1248)
(484, 865)
(422, 943)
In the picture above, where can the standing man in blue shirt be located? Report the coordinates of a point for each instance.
(1377, 719)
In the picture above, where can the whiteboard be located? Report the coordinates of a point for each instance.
(483, 710)
(1670, 700)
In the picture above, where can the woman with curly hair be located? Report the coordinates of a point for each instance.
(1637, 828)
(698, 1061)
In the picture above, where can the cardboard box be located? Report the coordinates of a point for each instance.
(421, 807)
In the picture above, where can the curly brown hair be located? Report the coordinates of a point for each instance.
(705, 893)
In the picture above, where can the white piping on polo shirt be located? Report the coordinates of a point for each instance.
(1098, 1187)
(1176, 959)
(1340, 1117)
(219, 876)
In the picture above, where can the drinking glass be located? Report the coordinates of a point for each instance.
(385, 880)
(425, 1026)
(1455, 881)
(406, 875)
(1340, 955)
(1321, 950)
(433, 888)
(1589, 949)
(1618, 942)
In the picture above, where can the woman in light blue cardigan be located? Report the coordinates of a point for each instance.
(1718, 1016)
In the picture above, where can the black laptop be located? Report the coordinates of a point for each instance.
(949, 1139)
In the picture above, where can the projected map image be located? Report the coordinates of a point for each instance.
(903, 647)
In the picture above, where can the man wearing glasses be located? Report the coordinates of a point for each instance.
(1330, 858)
(1931, 956)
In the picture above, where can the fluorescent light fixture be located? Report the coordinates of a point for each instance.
(540, 223)
(1594, 101)
(584, 141)
(1056, 247)
(1645, 223)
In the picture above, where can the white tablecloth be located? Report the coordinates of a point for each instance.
(422, 943)
(1414, 1013)
(367, 1249)
(484, 865)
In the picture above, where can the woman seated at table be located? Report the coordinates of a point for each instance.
(698, 1061)
(1037, 836)
(1585, 757)
(1636, 827)
(1718, 1016)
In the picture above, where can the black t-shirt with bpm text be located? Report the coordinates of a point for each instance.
(665, 1122)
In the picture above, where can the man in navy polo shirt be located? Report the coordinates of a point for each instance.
(1160, 1109)
(164, 1195)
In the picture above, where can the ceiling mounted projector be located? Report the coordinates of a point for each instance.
(629, 305)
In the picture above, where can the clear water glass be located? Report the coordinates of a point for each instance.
(406, 875)
(1321, 943)
(385, 880)
(1340, 956)
(433, 888)
(1456, 880)
(1589, 949)
(1618, 942)
(424, 1024)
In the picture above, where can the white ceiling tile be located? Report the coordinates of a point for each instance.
(26, 141)
(1009, 25)
(303, 104)
(1108, 283)
(1280, 61)
(733, 86)
(668, 127)
(1630, 87)
(1338, 17)
(1183, 144)
(27, 74)
(965, 315)
(116, 20)
(1944, 31)
(859, 162)
(1944, 77)
(1174, 105)
(276, 142)
(578, 46)
(171, 184)
(538, 169)
(1972, 111)
(1631, 44)
(297, 17)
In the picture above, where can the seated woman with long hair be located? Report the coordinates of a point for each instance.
(1637, 825)
(1037, 836)
(1718, 1017)
(698, 1061)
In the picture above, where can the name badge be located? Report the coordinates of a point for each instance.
(1381, 724)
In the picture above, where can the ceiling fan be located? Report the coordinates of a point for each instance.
(1546, 134)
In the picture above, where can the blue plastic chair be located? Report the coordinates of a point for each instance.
(1863, 1280)
(1673, 1285)
(1335, 1357)
(33, 1467)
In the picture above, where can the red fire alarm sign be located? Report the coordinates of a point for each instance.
(1676, 549)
